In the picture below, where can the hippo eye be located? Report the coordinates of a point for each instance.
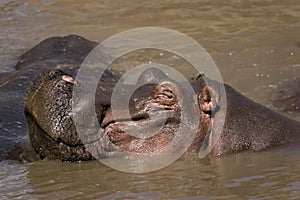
(166, 98)
(168, 94)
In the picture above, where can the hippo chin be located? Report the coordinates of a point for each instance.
(53, 134)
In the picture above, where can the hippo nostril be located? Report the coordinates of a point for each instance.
(169, 94)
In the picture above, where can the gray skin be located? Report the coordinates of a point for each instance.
(64, 53)
(248, 125)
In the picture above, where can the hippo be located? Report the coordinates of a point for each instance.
(47, 74)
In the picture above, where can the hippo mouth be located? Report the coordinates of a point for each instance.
(141, 133)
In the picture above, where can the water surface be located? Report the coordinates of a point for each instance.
(255, 44)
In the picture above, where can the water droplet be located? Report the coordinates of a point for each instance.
(273, 86)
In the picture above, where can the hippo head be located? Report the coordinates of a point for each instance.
(47, 110)
(155, 116)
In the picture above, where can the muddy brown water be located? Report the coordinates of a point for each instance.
(256, 46)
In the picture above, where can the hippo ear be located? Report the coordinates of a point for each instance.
(208, 100)
(69, 79)
(212, 104)
(152, 75)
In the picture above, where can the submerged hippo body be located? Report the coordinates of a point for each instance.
(249, 125)
(53, 65)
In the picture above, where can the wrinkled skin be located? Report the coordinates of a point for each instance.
(64, 53)
(248, 125)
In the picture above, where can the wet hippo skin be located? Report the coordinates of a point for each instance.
(249, 125)
(65, 53)
(45, 77)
